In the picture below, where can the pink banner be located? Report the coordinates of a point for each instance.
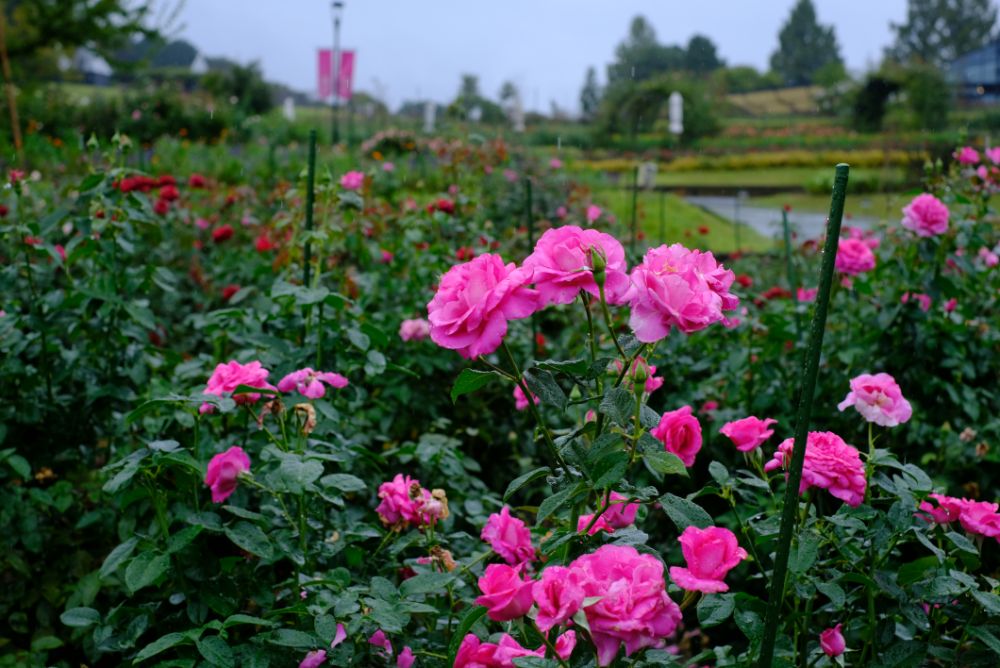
(324, 82)
(345, 78)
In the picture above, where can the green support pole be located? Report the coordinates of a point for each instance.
(810, 370)
(310, 199)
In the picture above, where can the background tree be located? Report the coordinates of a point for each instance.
(938, 31)
(244, 83)
(804, 46)
(640, 56)
(701, 56)
(590, 96)
(508, 92)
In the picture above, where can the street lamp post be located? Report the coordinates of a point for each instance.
(337, 6)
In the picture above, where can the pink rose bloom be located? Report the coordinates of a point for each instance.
(806, 294)
(749, 433)
(879, 399)
(405, 658)
(926, 215)
(709, 406)
(631, 606)
(510, 175)
(509, 537)
(388, 167)
(710, 554)
(994, 155)
(593, 213)
(980, 518)
(314, 659)
(601, 524)
(202, 224)
(352, 180)
(405, 502)
(830, 464)
(919, 297)
(555, 163)
(416, 329)
(379, 639)
(565, 644)
(474, 301)
(854, 257)
(521, 401)
(948, 508)
(967, 155)
(678, 287)
(832, 641)
(224, 472)
(950, 305)
(339, 637)
(621, 513)
(653, 383)
(558, 595)
(505, 595)
(309, 383)
(989, 258)
(561, 265)
(680, 433)
(227, 377)
(386, 257)
(561, 212)
(862, 235)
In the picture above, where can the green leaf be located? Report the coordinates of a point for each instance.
(20, 466)
(118, 557)
(161, 644)
(543, 384)
(611, 469)
(80, 618)
(250, 538)
(471, 617)
(233, 620)
(576, 367)
(666, 463)
(961, 542)
(987, 637)
(618, 404)
(145, 569)
(216, 651)
(182, 538)
(522, 480)
(426, 583)
(834, 592)
(805, 552)
(293, 638)
(552, 503)
(45, 643)
(684, 513)
(343, 482)
(714, 609)
(126, 473)
(470, 380)
(903, 654)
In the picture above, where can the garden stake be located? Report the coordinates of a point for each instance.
(793, 284)
(310, 198)
(804, 412)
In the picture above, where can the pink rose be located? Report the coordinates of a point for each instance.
(227, 377)
(749, 433)
(314, 659)
(555, 163)
(923, 300)
(967, 155)
(832, 641)
(994, 155)
(339, 637)
(709, 406)
(505, 595)
(621, 513)
(989, 258)
(980, 518)
(677, 287)
(710, 554)
(601, 524)
(950, 305)
(510, 175)
(509, 537)
(224, 472)
(806, 294)
(562, 265)
(473, 653)
(352, 180)
(405, 658)
(680, 433)
(631, 605)
(388, 167)
(558, 595)
(830, 464)
(878, 399)
(926, 215)
(593, 213)
(948, 508)
(416, 329)
(854, 257)
(380, 640)
(474, 301)
(405, 502)
(308, 382)
(565, 644)
(521, 401)
(561, 212)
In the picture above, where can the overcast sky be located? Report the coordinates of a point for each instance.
(410, 49)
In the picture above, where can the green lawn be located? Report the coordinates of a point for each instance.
(883, 206)
(681, 223)
(791, 177)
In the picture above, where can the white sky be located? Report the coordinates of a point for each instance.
(413, 49)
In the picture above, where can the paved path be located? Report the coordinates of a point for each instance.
(767, 221)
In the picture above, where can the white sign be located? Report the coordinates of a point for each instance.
(676, 104)
(430, 109)
(647, 175)
(288, 109)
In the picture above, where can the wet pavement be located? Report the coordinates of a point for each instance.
(767, 221)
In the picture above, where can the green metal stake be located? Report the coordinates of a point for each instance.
(809, 372)
(310, 198)
(793, 283)
(635, 196)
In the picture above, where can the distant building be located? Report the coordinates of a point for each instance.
(976, 75)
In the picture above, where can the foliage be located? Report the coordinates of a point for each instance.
(804, 46)
(243, 86)
(927, 97)
(870, 102)
(936, 32)
(629, 109)
(701, 57)
(590, 96)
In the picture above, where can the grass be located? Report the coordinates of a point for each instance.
(682, 222)
(784, 101)
(790, 177)
(880, 206)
